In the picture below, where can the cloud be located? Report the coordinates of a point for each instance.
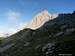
(14, 23)
(14, 30)
(23, 25)
(12, 15)
(8, 32)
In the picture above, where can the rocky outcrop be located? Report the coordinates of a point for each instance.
(41, 18)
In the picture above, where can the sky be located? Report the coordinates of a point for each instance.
(15, 14)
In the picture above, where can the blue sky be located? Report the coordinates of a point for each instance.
(15, 13)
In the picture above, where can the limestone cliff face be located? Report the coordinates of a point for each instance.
(41, 18)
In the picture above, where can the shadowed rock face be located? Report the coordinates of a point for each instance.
(54, 37)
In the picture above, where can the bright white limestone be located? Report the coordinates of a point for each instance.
(41, 18)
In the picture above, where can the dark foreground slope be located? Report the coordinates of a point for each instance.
(54, 38)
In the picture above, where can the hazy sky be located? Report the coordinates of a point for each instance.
(15, 13)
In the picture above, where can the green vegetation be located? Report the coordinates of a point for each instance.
(1, 38)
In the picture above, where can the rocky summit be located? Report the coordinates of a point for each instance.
(40, 18)
(54, 37)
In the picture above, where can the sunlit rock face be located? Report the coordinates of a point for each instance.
(41, 18)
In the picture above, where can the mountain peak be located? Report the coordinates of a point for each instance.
(41, 18)
(45, 12)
